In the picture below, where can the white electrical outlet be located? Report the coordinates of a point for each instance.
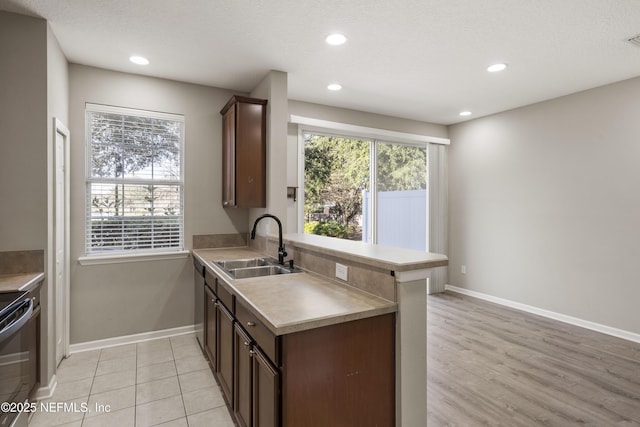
(342, 272)
(463, 269)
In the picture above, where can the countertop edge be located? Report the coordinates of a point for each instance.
(30, 281)
(366, 253)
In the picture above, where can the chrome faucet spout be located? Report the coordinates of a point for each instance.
(281, 252)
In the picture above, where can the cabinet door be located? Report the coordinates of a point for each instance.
(242, 378)
(210, 325)
(224, 359)
(200, 299)
(250, 179)
(266, 391)
(229, 158)
(340, 375)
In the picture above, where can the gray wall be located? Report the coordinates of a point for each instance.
(122, 299)
(545, 207)
(23, 140)
(58, 107)
(274, 89)
(33, 89)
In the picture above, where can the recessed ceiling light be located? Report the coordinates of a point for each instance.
(336, 39)
(496, 67)
(140, 60)
(334, 86)
(465, 113)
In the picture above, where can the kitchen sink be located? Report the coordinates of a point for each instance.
(254, 267)
(242, 263)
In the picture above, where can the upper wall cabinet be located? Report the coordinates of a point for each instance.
(244, 153)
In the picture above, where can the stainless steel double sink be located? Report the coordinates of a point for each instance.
(254, 267)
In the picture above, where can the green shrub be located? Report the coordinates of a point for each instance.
(327, 228)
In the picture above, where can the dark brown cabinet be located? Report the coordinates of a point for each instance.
(265, 391)
(337, 375)
(242, 378)
(244, 153)
(224, 365)
(210, 327)
(256, 384)
(341, 375)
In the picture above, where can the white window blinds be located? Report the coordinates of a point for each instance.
(134, 181)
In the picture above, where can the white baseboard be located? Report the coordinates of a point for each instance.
(46, 392)
(130, 339)
(620, 333)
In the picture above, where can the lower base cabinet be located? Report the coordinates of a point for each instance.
(337, 375)
(256, 385)
(265, 391)
(341, 375)
(210, 324)
(224, 365)
(242, 380)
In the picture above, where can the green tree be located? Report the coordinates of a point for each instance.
(401, 167)
(336, 173)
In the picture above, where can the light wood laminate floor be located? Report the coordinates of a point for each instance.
(492, 365)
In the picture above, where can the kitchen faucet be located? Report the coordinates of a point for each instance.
(281, 252)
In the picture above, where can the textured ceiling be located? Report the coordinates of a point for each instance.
(417, 59)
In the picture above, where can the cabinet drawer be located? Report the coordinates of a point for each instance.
(211, 280)
(225, 296)
(260, 334)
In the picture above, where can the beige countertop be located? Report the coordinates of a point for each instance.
(295, 302)
(19, 282)
(387, 257)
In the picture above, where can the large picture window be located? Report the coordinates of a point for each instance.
(134, 195)
(366, 189)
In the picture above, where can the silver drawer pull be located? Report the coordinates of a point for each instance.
(251, 353)
(246, 344)
(251, 324)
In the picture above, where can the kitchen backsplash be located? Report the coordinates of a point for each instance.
(204, 241)
(16, 262)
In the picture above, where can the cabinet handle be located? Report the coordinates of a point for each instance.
(246, 344)
(251, 353)
(225, 203)
(251, 324)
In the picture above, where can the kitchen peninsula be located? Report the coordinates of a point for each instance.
(371, 325)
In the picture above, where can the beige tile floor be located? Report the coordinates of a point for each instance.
(165, 382)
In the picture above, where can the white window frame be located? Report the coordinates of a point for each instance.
(108, 257)
(337, 129)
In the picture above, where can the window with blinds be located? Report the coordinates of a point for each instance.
(134, 181)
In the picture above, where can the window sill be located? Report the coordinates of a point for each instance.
(124, 258)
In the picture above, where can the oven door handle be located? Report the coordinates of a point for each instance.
(19, 322)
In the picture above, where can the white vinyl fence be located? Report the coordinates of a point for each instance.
(402, 218)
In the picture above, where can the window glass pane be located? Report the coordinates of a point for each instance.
(133, 147)
(134, 187)
(134, 217)
(402, 196)
(336, 177)
(105, 148)
(151, 149)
